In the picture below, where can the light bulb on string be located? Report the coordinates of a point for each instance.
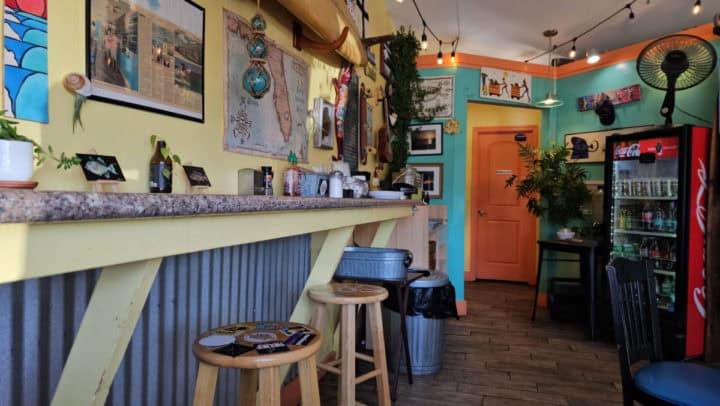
(593, 56)
(440, 58)
(573, 51)
(452, 57)
(423, 40)
(631, 16)
(697, 7)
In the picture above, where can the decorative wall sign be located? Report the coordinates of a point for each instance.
(590, 146)
(324, 124)
(426, 139)
(271, 126)
(439, 101)
(196, 176)
(385, 61)
(432, 178)
(26, 60)
(452, 126)
(100, 168)
(622, 95)
(505, 85)
(148, 54)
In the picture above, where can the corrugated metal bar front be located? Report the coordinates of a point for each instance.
(193, 292)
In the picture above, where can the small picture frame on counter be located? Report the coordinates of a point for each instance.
(197, 178)
(100, 168)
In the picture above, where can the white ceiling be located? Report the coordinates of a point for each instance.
(512, 29)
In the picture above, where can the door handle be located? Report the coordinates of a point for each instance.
(482, 212)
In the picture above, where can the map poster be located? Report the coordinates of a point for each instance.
(438, 101)
(273, 125)
(148, 54)
(505, 85)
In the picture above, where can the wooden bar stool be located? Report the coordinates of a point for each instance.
(258, 349)
(348, 295)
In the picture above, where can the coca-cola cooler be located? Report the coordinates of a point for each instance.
(655, 209)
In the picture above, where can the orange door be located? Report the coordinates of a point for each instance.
(503, 233)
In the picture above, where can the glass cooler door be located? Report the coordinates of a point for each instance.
(644, 209)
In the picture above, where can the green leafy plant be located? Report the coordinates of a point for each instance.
(165, 152)
(552, 187)
(8, 131)
(406, 100)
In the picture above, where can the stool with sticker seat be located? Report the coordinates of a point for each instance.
(259, 350)
(348, 296)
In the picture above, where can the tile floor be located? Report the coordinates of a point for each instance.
(496, 356)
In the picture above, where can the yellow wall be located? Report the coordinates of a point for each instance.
(124, 132)
(491, 115)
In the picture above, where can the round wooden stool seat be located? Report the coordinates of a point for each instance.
(348, 293)
(249, 335)
(258, 349)
(349, 296)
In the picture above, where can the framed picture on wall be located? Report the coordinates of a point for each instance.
(148, 55)
(323, 124)
(432, 175)
(589, 147)
(426, 139)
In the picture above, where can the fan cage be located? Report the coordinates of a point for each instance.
(701, 60)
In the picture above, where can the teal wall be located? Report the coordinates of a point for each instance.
(699, 101)
(467, 89)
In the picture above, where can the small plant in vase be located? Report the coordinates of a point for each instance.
(553, 187)
(17, 153)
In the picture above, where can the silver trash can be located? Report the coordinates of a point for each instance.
(426, 336)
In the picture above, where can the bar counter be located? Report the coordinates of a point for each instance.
(127, 236)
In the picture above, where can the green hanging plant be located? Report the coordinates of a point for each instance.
(553, 187)
(406, 100)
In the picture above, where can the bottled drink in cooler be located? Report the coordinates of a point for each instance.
(659, 218)
(647, 217)
(645, 248)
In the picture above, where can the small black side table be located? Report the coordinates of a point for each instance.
(401, 290)
(587, 251)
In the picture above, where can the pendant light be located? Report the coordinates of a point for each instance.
(593, 56)
(423, 41)
(551, 99)
(573, 51)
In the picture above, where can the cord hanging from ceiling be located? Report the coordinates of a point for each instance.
(427, 29)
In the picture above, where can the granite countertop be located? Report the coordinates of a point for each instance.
(27, 206)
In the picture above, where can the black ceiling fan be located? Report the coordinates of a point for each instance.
(675, 62)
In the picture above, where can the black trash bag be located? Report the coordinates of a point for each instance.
(431, 303)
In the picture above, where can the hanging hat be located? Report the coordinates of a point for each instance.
(606, 111)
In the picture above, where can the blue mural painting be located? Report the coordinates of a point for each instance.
(26, 62)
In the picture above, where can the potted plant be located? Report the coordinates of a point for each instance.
(17, 153)
(553, 187)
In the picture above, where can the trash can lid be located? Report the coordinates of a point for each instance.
(434, 280)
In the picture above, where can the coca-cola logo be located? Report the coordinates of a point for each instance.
(700, 211)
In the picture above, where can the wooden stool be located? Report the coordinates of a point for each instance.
(248, 347)
(348, 295)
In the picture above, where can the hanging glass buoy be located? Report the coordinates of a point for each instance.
(256, 79)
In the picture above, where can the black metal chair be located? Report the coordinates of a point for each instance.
(637, 332)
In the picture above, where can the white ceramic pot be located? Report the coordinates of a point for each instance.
(16, 160)
(565, 234)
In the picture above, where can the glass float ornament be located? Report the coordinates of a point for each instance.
(256, 79)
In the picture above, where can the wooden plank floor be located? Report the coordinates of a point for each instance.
(496, 356)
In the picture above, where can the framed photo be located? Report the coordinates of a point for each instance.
(432, 175)
(385, 57)
(590, 146)
(426, 139)
(148, 54)
(439, 99)
(324, 128)
(100, 168)
(196, 176)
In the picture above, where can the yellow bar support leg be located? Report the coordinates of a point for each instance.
(383, 234)
(105, 332)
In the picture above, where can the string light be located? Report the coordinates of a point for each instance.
(593, 56)
(632, 14)
(573, 51)
(426, 29)
(697, 7)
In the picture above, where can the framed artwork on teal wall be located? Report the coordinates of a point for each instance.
(590, 146)
(426, 139)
